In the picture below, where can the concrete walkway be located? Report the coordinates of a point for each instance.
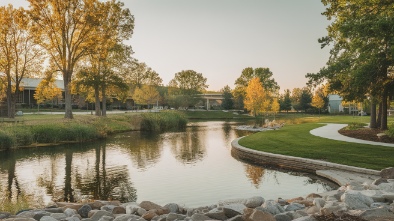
(330, 131)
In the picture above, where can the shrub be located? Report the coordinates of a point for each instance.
(390, 131)
(168, 120)
(355, 126)
(6, 141)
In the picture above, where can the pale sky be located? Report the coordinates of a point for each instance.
(219, 38)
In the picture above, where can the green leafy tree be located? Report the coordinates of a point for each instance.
(227, 103)
(301, 98)
(361, 56)
(285, 101)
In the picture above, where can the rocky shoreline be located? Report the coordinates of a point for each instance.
(354, 201)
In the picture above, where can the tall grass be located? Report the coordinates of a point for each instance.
(168, 120)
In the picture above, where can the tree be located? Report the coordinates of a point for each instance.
(275, 106)
(140, 73)
(227, 103)
(285, 101)
(47, 89)
(318, 101)
(184, 87)
(255, 97)
(146, 95)
(264, 74)
(362, 55)
(69, 30)
(19, 54)
(301, 98)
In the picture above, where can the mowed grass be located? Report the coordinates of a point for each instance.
(296, 140)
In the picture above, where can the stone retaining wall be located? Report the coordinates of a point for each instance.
(288, 162)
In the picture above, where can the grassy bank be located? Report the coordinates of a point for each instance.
(214, 115)
(295, 140)
(35, 130)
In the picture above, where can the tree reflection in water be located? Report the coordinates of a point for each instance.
(188, 147)
(255, 174)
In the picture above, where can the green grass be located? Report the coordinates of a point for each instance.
(210, 115)
(295, 140)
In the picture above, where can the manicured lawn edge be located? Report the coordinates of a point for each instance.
(296, 141)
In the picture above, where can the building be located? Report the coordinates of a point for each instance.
(335, 104)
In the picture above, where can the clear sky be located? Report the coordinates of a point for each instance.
(219, 38)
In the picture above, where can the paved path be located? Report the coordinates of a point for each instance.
(330, 131)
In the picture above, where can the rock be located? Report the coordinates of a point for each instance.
(312, 196)
(70, 212)
(149, 214)
(132, 208)
(26, 214)
(272, 207)
(259, 215)
(333, 207)
(106, 218)
(148, 205)
(172, 207)
(58, 216)
(232, 210)
(236, 218)
(73, 219)
(379, 204)
(354, 186)
(254, 202)
(305, 218)
(355, 200)
(54, 210)
(84, 210)
(216, 214)
(100, 213)
(174, 216)
(199, 217)
(128, 217)
(283, 217)
(281, 202)
(379, 181)
(20, 219)
(119, 210)
(375, 214)
(160, 218)
(107, 208)
(312, 210)
(141, 211)
(75, 206)
(387, 187)
(294, 207)
(376, 195)
(295, 199)
(38, 216)
(296, 214)
(388, 196)
(4, 215)
(387, 173)
(319, 202)
(47, 218)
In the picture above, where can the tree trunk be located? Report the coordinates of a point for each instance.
(372, 122)
(10, 100)
(379, 119)
(97, 109)
(104, 113)
(68, 114)
(383, 125)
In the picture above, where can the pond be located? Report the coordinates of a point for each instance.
(192, 168)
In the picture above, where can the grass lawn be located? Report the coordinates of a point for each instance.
(214, 115)
(295, 140)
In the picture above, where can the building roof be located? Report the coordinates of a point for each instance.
(32, 83)
(334, 97)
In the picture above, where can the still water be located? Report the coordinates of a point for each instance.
(192, 168)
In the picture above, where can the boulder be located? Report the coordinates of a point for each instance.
(236, 218)
(70, 212)
(296, 214)
(216, 214)
(175, 216)
(131, 208)
(149, 215)
(387, 173)
(259, 215)
(39, 215)
(312, 210)
(141, 211)
(379, 204)
(172, 207)
(4, 215)
(54, 210)
(281, 202)
(84, 210)
(333, 207)
(232, 210)
(294, 207)
(374, 214)
(58, 216)
(199, 217)
(387, 187)
(47, 218)
(100, 213)
(356, 200)
(128, 217)
(388, 196)
(379, 181)
(119, 210)
(313, 196)
(376, 195)
(306, 218)
(272, 207)
(283, 217)
(73, 219)
(106, 218)
(148, 205)
(254, 202)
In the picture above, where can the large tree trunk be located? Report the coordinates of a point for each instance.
(97, 101)
(104, 114)
(372, 122)
(67, 95)
(10, 100)
(379, 119)
(383, 124)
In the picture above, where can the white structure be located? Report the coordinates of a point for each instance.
(335, 103)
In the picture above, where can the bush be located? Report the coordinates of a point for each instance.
(6, 141)
(390, 131)
(168, 120)
(355, 126)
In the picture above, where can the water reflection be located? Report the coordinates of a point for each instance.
(193, 167)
